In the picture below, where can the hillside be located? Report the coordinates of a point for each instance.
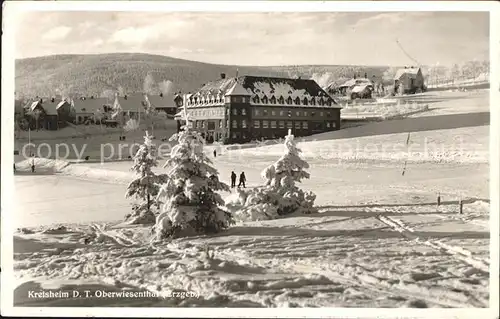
(94, 74)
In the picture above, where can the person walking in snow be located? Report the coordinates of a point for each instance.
(233, 179)
(215, 153)
(33, 167)
(14, 167)
(243, 179)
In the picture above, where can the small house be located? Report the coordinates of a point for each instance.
(409, 80)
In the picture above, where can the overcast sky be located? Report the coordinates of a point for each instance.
(262, 38)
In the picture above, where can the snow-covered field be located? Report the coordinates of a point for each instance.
(378, 241)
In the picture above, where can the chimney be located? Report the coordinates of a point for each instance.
(41, 100)
(161, 94)
(366, 75)
(223, 75)
(406, 67)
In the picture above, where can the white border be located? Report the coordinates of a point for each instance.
(7, 191)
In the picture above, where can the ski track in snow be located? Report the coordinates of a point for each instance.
(307, 261)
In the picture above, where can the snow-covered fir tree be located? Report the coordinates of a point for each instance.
(147, 184)
(280, 196)
(191, 204)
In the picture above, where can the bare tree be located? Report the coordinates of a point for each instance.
(121, 90)
(166, 87)
(389, 74)
(149, 84)
(108, 94)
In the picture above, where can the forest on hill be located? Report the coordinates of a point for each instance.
(129, 72)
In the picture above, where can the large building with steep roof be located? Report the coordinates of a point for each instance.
(238, 110)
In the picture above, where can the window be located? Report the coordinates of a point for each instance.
(202, 124)
(289, 100)
(327, 124)
(297, 113)
(313, 113)
(334, 124)
(256, 124)
(281, 100)
(328, 114)
(236, 99)
(265, 112)
(244, 124)
(235, 124)
(313, 101)
(257, 112)
(297, 101)
(273, 100)
(273, 112)
(305, 113)
(234, 135)
(227, 111)
(256, 99)
(329, 103)
(211, 125)
(282, 113)
(282, 124)
(243, 111)
(264, 100)
(265, 124)
(304, 125)
(289, 113)
(289, 124)
(235, 112)
(297, 125)
(227, 123)
(197, 124)
(220, 124)
(228, 99)
(273, 124)
(305, 101)
(321, 114)
(320, 102)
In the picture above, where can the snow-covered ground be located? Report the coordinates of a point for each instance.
(378, 241)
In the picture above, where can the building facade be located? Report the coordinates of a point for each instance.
(239, 110)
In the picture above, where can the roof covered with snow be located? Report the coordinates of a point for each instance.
(262, 90)
(409, 71)
(237, 89)
(358, 81)
(360, 88)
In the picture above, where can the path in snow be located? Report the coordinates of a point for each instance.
(345, 256)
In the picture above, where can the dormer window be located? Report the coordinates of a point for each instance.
(256, 99)
(320, 102)
(297, 101)
(273, 100)
(329, 103)
(313, 101)
(281, 100)
(305, 102)
(289, 100)
(264, 100)
(83, 109)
